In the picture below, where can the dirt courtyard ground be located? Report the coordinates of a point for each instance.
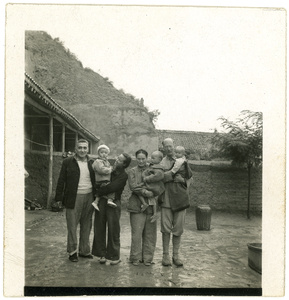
(212, 259)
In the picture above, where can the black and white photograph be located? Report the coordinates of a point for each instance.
(144, 149)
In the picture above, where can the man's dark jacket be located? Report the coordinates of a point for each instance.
(68, 180)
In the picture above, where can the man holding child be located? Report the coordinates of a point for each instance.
(76, 188)
(174, 202)
(76, 191)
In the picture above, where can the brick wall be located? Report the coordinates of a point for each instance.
(225, 188)
(222, 187)
(36, 185)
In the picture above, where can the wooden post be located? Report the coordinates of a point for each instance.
(63, 138)
(76, 138)
(249, 190)
(89, 146)
(50, 167)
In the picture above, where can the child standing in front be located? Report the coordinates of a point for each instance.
(102, 169)
(153, 182)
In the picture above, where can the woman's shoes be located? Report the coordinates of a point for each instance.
(102, 260)
(86, 256)
(73, 257)
(146, 263)
(115, 262)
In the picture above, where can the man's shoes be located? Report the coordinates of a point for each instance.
(115, 262)
(166, 260)
(177, 262)
(135, 263)
(111, 203)
(73, 257)
(95, 206)
(86, 256)
(102, 260)
(148, 263)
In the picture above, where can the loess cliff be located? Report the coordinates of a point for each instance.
(119, 119)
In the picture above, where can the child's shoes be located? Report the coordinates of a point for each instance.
(111, 203)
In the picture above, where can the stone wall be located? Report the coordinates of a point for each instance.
(222, 187)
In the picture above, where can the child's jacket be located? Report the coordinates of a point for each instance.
(154, 179)
(102, 169)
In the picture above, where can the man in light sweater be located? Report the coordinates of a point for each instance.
(74, 190)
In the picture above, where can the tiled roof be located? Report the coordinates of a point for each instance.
(191, 140)
(46, 101)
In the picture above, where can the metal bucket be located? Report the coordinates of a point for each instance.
(255, 256)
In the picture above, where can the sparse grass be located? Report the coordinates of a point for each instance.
(87, 95)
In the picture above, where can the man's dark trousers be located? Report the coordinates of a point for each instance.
(106, 221)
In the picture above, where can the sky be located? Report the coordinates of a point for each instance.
(193, 64)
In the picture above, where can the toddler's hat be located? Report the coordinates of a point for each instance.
(103, 147)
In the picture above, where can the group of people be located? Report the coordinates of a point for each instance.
(86, 186)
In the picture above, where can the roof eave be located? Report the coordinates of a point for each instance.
(53, 105)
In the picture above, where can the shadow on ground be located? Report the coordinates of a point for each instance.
(212, 259)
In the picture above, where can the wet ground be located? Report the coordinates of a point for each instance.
(212, 259)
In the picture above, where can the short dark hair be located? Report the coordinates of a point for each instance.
(127, 161)
(141, 151)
